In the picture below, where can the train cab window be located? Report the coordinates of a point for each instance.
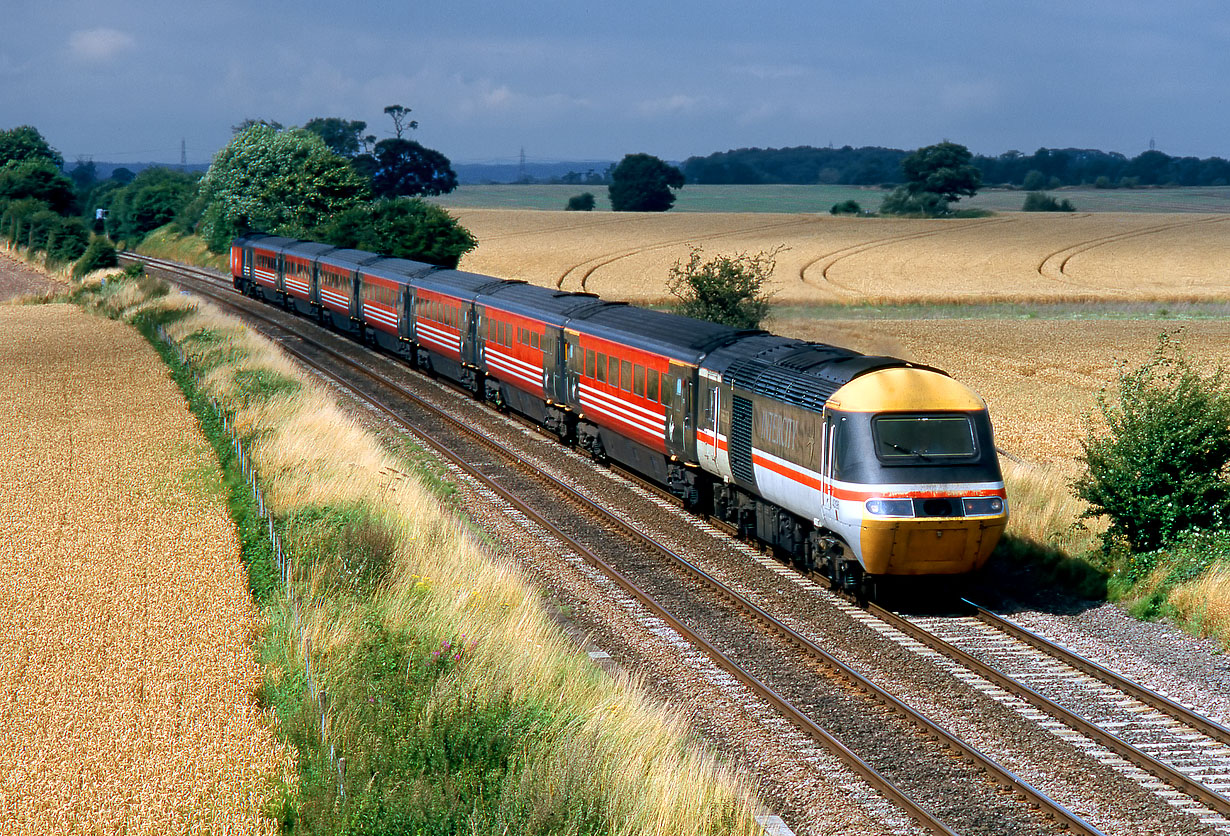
(625, 376)
(922, 439)
(612, 372)
(651, 384)
(638, 381)
(601, 367)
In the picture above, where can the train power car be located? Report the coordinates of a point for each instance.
(862, 468)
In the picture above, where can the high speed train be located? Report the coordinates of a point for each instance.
(859, 467)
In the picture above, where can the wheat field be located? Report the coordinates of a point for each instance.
(126, 658)
(1012, 257)
(1040, 376)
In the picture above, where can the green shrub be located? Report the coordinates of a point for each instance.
(1159, 467)
(900, 201)
(98, 255)
(846, 207)
(727, 289)
(1042, 202)
(583, 202)
(68, 240)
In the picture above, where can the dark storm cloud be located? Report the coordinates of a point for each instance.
(127, 80)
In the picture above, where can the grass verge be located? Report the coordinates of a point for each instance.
(456, 704)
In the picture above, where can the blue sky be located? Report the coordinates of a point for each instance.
(125, 80)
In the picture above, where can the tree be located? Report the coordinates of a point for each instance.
(399, 116)
(343, 137)
(583, 202)
(277, 182)
(154, 198)
(251, 123)
(643, 183)
(404, 167)
(402, 227)
(39, 178)
(727, 289)
(901, 201)
(123, 175)
(26, 143)
(1159, 466)
(846, 207)
(942, 169)
(84, 175)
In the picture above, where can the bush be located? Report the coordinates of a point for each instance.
(1042, 202)
(900, 201)
(1035, 181)
(846, 207)
(68, 240)
(98, 255)
(1159, 468)
(727, 289)
(583, 202)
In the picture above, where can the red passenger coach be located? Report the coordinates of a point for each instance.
(620, 387)
(634, 375)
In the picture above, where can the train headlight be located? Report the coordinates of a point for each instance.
(890, 507)
(983, 506)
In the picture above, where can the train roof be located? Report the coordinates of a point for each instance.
(272, 242)
(458, 283)
(350, 259)
(307, 249)
(679, 337)
(554, 306)
(400, 270)
(796, 372)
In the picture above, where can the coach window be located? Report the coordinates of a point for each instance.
(667, 383)
(612, 371)
(651, 384)
(589, 363)
(625, 376)
(638, 381)
(533, 339)
(601, 367)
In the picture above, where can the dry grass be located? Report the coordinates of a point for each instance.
(1204, 604)
(609, 743)
(127, 648)
(1015, 257)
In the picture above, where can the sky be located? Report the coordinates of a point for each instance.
(128, 80)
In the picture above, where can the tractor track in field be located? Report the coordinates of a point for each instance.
(1053, 266)
(591, 265)
(828, 260)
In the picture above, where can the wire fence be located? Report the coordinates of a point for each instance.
(282, 562)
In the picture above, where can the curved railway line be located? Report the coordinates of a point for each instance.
(946, 784)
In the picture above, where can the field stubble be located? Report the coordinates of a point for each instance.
(126, 654)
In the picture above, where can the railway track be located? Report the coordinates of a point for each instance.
(894, 747)
(1149, 737)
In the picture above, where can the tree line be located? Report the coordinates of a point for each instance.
(874, 166)
(329, 181)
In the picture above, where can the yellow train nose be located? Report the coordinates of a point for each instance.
(929, 546)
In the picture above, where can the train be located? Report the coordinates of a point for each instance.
(864, 469)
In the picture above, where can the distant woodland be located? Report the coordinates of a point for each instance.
(1046, 168)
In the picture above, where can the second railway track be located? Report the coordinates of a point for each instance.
(810, 686)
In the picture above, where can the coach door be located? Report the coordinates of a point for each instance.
(355, 309)
(680, 432)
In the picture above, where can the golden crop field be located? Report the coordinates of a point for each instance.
(126, 660)
(1012, 257)
(1039, 376)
